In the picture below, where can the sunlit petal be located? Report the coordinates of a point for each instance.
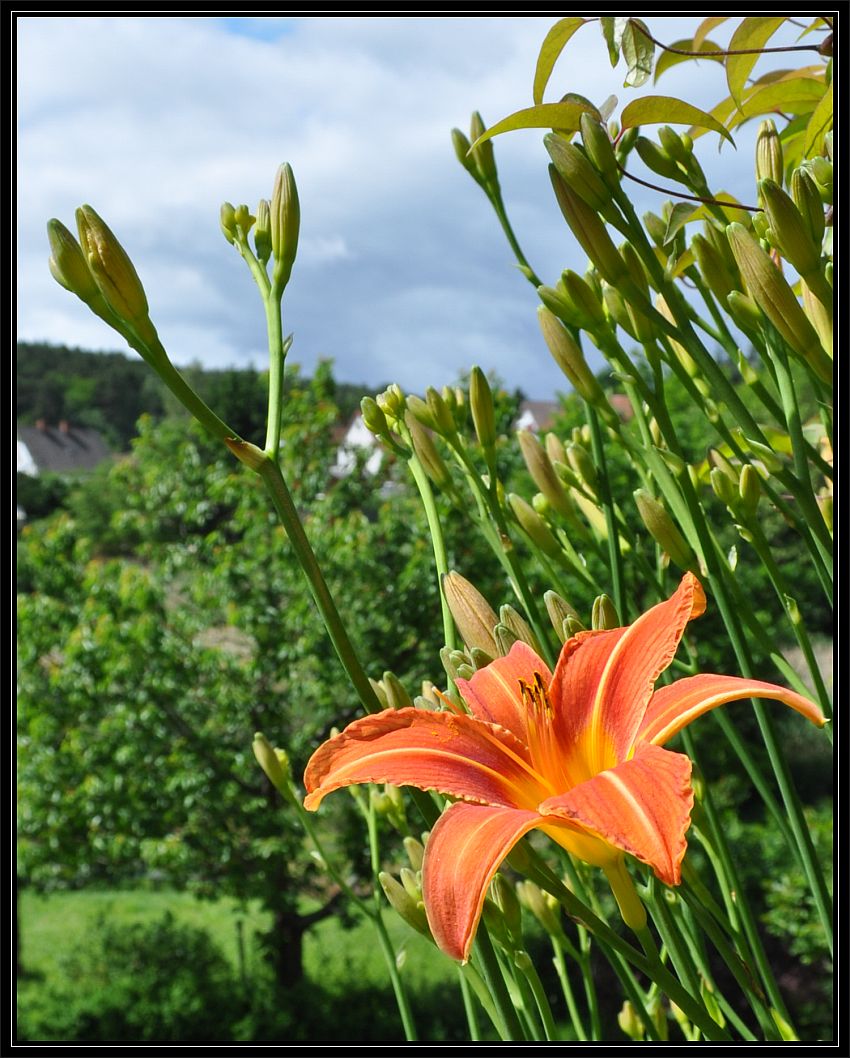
(463, 853)
(642, 806)
(493, 693)
(604, 680)
(674, 707)
(457, 755)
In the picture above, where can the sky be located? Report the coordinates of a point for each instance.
(402, 273)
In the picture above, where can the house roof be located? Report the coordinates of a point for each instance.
(63, 450)
(537, 414)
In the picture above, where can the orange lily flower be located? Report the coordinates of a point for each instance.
(576, 754)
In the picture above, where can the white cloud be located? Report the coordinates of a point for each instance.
(402, 272)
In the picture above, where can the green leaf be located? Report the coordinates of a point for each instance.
(819, 124)
(553, 44)
(705, 27)
(671, 58)
(666, 110)
(638, 51)
(720, 112)
(612, 37)
(797, 96)
(680, 214)
(563, 117)
(754, 32)
(727, 205)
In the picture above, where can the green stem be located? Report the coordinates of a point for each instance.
(469, 1007)
(283, 503)
(528, 971)
(277, 356)
(509, 1027)
(566, 988)
(495, 197)
(615, 558)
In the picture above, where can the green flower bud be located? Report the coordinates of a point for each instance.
(656, 227)
(461, 145)
(585, 299)
(749, 488)
(573, 165)
(427, 454)
(415, 852)
(794, 239)
(654, 158)
(285, 225)
(556, 301)
(673, 145)
(629, 1021)
(769, 161)
(663, 530)
(518, 625)
(543, 473)
(559, 610)
(534, 526)
(68, 265)
(227, 219)
(819, 314)
(472, 614)
(392, 402)
(555, 448)
(572, 627)
(412, 911)
(505, 638)
(744, 311)
(411, 883)
(444, 423)
(483, 155)
(482, 658)
(620, 312)
(373, 417)
(420, 411)
(713, 268)
(582, 464)
(380, 692)
(483, 412)
(263, 231)
(770, 290)
(822, 172)
(274, 763)
(397, 696)
(494, 920)
(805, 194)
(604, 614)
(570, 359)
(113, 272)
(723, 488)
(243, 218)
(588, 230)
(599, 149)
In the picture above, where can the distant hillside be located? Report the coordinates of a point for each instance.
(109, 391)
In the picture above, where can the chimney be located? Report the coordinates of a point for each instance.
(64, 426)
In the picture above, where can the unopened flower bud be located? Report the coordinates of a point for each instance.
(604, 614)
(519, 626)
(397, 696)
(472, 613)
(807, 200)
(555, 448)
(69, 268)
(274, 763)
(823, 175)
(411, 882)
(599, 149)
(482, 658)
(543, 473)
(744, 311)
(505, 639)
(113, 271)
(790, 230)
(713, 268)
(415, 852)
(663, 530)
(441, 412)
(412, 911)
(749, 488)
(263, 231)
(426, 452)
(227, 219)
(285, 225)
(483, 412)
(588, 230)
(656, 159)
(629, 1021)
(582, 464)
(483, 155)
(769, 161)
(771, 291)
(461, 145)
(373, 418)
(570, 359)
(723, 488)
(537, 530)
(578, 172)
(392, 402)
(584, 297)
(820, 316)
(508, 901)
(558, 610)
(672, 144)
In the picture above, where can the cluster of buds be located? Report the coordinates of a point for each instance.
(276, 227)
(405, 892)
(98, 270)
(479, 161)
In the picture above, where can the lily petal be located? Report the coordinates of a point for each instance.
(642, 806)
(674, 707)
(493, 693)
(464, 851)
(604, 680)
(457, 755)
